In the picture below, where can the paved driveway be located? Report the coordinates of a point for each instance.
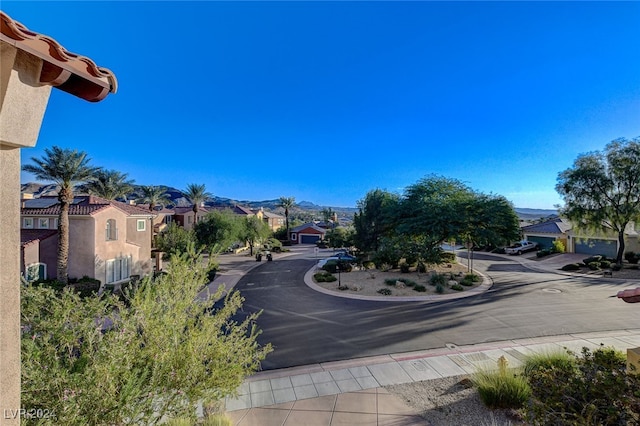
(308, 327)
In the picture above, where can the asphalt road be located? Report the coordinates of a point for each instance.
(307, 327)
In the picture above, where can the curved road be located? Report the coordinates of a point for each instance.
(307, 327)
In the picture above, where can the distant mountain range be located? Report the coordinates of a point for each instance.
(39, 189)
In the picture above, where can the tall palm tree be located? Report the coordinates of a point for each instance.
(196, 194)
(287, 203)
(110, 184)
(65, 168)
(154, 196)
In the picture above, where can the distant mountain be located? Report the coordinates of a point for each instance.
(39, 189)
(534, 214)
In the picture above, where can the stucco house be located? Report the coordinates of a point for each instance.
(186, 217)
(307, 233)
(577, 240)
(108, 240)
(545, 233)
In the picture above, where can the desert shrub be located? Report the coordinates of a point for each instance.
(408, 282)
(466, 282)
(212, 420)
(324, 277)
(571, 267)
(385, 267)
(605, 264)
(390, 281)
(632, 257)
(543, 252)
(342, 287)
(438, 279)
(90, 366)
(385, 292)
(421, 268)
(472, 277)
(457, 287)
(539, 361)
(368, 265)
(502, 388)
(404, 267)
(447, 257)
(616, 267)
(594, 389)
(635, 267)
(594, 266)
(419, 288)
(439, 289)
(332, 266)
(588, 260)
(558, 247)
(498, 250)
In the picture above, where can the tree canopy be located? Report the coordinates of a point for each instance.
(110, 184)
(601, 190)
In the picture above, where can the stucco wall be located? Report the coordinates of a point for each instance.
(82, 232)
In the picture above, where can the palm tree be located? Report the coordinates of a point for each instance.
(287, 203)
(196, 194)
(65, 168)
(110, 184)
(154, 196)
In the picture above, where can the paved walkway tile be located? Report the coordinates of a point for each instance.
(419, 370)
(391, 404)
(309, 418)
(329, 388)
(284, 395)
(323, 403)
(444, 366)
(399, 420)
(354, 419)
(356, 403)
(389, 374)
(263, 417)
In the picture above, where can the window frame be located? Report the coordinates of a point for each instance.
(28, 223)
(144, 225)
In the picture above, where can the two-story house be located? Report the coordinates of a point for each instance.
(108, 240)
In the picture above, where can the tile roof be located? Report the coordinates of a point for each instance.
(67, 71)
(86, 205)
(28, 236)
(553, 226)
(189, 209)
(310, 225)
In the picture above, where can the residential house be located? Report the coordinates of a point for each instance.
(308, 233)
(545, 233)
(186, 217)
(582, 241)
(108, 240)
(273, 220)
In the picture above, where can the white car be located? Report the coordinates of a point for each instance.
(521, 247)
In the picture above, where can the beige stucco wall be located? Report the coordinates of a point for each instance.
(22, 105)
(81, 246)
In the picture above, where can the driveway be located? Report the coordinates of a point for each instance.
(308, 327)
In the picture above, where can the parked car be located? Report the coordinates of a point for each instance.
(521, 247)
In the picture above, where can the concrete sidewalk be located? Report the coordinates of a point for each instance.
(352, 392)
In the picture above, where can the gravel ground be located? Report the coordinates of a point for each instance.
(452, 402)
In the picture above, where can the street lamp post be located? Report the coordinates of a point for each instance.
(338, 269)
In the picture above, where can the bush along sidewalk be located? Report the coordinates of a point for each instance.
(564, 388)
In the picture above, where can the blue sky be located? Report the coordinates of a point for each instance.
(324, 101)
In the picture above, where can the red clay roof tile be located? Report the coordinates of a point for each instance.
(61, 67)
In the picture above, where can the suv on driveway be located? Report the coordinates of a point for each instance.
(521, 247)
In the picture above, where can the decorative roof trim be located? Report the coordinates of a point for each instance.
(70, 72)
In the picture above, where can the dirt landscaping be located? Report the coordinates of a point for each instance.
(370, 282)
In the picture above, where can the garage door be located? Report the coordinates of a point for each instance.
(543, 242)
(607, 248)
(309, 239)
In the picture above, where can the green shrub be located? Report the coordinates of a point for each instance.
(543, 252)
(404, 267)
(457, 287)
(594, 266)
(502, 388)
(632, 257)
(594, 389)
(558, 247)
(390, 281)
(439, 289)
(438, 279)
(447, 257)
(472, 277)
(616, 266)
(421, 268)
(419, 288)
(324, 277)
(466, 282)
(537, 362)
(385, 292)
(605, 264)
(588, 260)
(342, 287)
(408, 282)
(571, 267)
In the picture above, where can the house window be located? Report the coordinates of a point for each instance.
(294, 236)
(189, 220)
(111, 232)
(142, 225)
(27, 223)
(36, 271)
(43, 223)
(118, 269)
(55, 223)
